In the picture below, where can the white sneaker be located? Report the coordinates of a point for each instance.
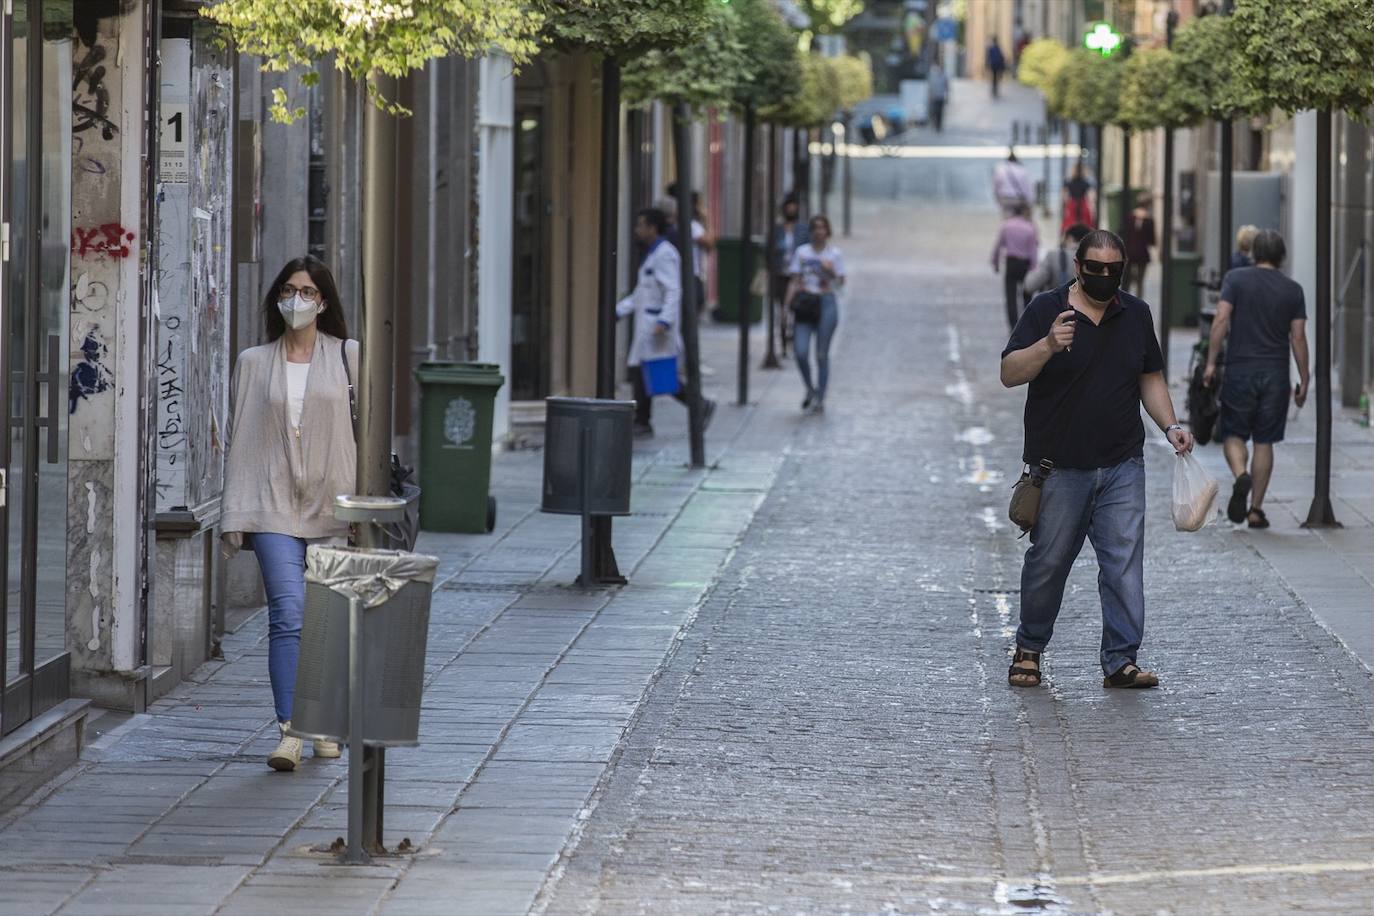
(327, 749)
(288, 752)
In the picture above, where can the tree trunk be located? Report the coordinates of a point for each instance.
(746, 275)
(1321, 514)
(682, 148)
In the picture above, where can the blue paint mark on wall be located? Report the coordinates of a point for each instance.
(90, 375)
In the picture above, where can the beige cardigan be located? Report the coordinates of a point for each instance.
(275, 481)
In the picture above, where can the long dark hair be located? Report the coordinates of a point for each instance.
(331, 320)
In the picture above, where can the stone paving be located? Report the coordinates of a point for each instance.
(530, 684)
(799, 704)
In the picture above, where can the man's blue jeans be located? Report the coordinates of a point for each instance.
(281, 558)
(1107, 506)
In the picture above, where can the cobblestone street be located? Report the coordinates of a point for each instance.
(799, 704)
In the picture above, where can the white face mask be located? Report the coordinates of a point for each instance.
(298, 313)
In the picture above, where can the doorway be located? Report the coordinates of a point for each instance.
(35, 195)
(531, 359)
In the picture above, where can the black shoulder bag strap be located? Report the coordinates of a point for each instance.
(352, 395)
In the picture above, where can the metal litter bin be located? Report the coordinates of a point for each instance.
(394, 589)
(606, 429)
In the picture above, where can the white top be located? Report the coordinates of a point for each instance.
(296, 376)
(807, 264)
(698, 233)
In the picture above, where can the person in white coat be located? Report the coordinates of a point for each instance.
(656, 305)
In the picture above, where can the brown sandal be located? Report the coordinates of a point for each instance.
(1131, 677)
(1030, 676)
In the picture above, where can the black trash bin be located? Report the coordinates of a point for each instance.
(610, 428)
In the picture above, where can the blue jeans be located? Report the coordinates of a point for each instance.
(801, 344)
(281, 558)
(1107, 506)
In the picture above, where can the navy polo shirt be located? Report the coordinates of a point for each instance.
(1083, 409)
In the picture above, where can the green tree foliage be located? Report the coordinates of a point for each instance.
(370, 37)
(1150, 89)
(1041, 62)
(814, 98)
(707, 73)
(1088, 88)
(1309, 54)
(624, 29)
(829, 16)
(771, 45)
(1208, 64)
(853, 80)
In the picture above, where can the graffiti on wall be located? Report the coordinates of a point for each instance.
(108, 240)
(90, 375)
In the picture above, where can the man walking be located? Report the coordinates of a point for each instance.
(937, 94)
(1266, 317)
(1015, 249)
(656, 305)
(996, 63)
(1089, 353)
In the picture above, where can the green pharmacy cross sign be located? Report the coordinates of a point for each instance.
(1102, 38)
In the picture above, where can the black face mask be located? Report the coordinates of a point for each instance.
(1099, 289)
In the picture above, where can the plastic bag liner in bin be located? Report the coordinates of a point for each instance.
(395, 590)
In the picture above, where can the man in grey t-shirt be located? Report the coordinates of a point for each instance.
(1266, 316)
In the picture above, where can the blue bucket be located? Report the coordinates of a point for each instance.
(660, 375)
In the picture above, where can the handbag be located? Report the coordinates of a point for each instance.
(400, 535)
(806, 307)
(1025, 495)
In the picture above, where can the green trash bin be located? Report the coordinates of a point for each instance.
(729, 263)
(457, 405)
(1186, 296)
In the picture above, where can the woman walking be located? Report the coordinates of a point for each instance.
(817, 272)
(291, 450)
(1077, 208)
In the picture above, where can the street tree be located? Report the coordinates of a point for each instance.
(1151, 91)
(373, 41)
(1209, 65)
(620, 32)
(1305, 56)
(830, 16)
(1041, 62)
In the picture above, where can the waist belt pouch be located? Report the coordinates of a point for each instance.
(1025, 496)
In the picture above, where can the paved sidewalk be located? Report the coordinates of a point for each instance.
(530, 684)
(1330, 571)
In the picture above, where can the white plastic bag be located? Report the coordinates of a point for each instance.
(1195, 494)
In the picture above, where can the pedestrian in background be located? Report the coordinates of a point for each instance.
(1090, 356)
(1139, 243)
(1262, 316)
(656, 305)
(937, 94)
(291, 450)
(1056, 268)
(996, 63)
(817, 269)
(1014, 252)
(1245, 239)
(1012, 184)
(702, 243)
(1075, 204)
(788, 234)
